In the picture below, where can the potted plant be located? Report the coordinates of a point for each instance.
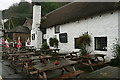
(53, 42)
(44, 46)
(116, 51)
(84, 42)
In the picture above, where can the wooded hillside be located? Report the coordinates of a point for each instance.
(18, 12)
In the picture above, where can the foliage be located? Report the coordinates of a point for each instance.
(8, 39)
(117, 51)
(84, 41)
(14, 22)
(83, 50)
(44, 46)
(18, 12)
(53, 42)
(21, 10)
(50, 6)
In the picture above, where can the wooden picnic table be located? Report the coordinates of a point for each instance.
(72, 55)
(17, 55)
(56, 50)
(100, 55)
(26, 61)
(92, 60)
(51, 66)
(40, 57)
(30, 53)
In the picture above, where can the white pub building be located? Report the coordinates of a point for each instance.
(99, 19)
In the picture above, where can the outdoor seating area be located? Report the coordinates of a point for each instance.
(41, 65)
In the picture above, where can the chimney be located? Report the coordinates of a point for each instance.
(36, 16)
(36, 34)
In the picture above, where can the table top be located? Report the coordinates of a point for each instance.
(100, 55)
(106, 72)
(41, 57)
(21, 54)
(25, 59)
(52, 66)
(87, 56)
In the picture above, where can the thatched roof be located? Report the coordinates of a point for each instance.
(75, 11)
(20, 29)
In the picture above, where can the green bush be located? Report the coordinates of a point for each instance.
(53, 42)
(44, 46)
(117, 50)
(84, 41)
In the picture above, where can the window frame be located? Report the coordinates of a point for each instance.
(63, 38)
(33, 36)
(57, 29)
(76, 46)
(101, 43)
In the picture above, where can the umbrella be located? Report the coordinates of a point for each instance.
(19, 44)
(7, 44)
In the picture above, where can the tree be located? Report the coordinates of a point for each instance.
(18, 12)
(50, 6)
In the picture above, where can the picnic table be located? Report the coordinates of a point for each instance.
(105, 72)
(22, 54)
(41, 57)
(92, 60)
(28, 62)
(72, 55)
(51, 66)
(30, 47)
(17, 55)
(56, 50)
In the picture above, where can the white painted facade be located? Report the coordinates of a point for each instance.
(104, 26)
(37, 42)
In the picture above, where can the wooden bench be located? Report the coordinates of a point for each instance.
(65, 76)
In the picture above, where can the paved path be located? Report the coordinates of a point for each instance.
(7, 72)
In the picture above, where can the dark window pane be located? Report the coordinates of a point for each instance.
(33, 36)
(101, 43)
(63, 37)
(76, 43)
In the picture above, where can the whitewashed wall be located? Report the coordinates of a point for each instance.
(104, 26)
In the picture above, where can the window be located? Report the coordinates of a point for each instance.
(101, 43)
(33, 36)
(63, 37)
(76, 41)
(57, 29)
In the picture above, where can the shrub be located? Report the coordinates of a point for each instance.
(53, 42)
(84, 41)
(117, 50)
(45, 46)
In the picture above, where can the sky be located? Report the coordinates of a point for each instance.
(5, 4)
